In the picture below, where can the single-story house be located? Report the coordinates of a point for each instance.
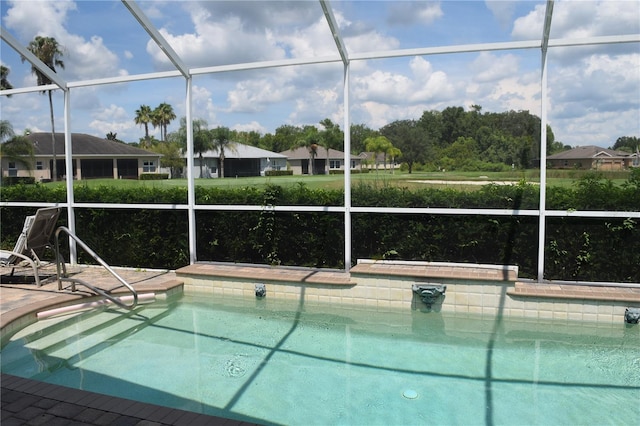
(300, 158)
(240, 160)
(93, 157)
(592, 157)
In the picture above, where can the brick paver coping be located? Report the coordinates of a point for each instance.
(436, 270)
(29, 402)
(267, 273)
(576, 292)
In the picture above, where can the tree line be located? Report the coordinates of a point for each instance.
(451, 139)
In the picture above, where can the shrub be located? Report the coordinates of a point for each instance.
(278, 173)
(15, 180)
(154, 176)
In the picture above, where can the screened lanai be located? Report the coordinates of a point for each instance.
(259, 65)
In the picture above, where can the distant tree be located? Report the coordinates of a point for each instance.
(430, 124)
(359, 133)
(378, 145)
(201, 138)
(393, 153)
(248, 138)
(4, 76)
(453, 124)
(161, 117)
(148, 142)
(143, 118)
(331, 137)
(409, 138)
(627, 143)
(310, 139)
(460, 154)
(221, 140)
(171, 155)
(20, 150)
(6, 130)
(50, 53)
(112, 136)
(557, 147)
(286, 137)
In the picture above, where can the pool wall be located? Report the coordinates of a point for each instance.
(487, 290)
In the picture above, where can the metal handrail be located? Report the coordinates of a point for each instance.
(61, 271)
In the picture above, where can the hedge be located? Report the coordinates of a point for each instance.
(591, 249)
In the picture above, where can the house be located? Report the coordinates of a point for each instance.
(93, 157)
(592, 157)
(300, 158)
(240, 160)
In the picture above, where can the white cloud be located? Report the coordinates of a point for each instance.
(409, 13)
(128, 54)
(502, 10)
(489, 67)
(114, 118)
(249, 127)
(202, 104)
(575, 19)
(255, 95)
(83, 59)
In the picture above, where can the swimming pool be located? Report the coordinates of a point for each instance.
(283, 362)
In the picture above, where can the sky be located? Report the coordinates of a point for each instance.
(593, 91)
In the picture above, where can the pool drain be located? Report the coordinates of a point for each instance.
(410, 394)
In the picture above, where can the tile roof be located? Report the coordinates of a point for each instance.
(589, 151)
(240, 150)
(83, 144)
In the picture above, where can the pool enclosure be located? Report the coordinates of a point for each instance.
(355, 58)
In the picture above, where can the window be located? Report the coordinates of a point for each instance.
(39, 165)
(13, 169)
(149, 167)
(353, 164)
(334, 164)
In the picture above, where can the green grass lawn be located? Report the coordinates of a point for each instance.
(380, 178)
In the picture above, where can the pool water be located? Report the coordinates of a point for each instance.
(277, 362)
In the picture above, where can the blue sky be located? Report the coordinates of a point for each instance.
(594, 92)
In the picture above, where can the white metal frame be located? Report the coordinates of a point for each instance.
(182, 71)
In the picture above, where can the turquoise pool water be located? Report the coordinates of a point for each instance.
(288, 363)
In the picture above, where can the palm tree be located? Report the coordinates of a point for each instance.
(201, 138)
(50, 53)
(310, 139)
(144, 117)
(161, 117)
(221, 138)
(20, 150)
(377, 145)
(331, 137)
(6, 130)
(4, 74)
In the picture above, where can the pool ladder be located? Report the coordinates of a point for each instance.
(61, 272)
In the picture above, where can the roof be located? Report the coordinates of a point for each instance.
(589, 151)
(240, 150)
(85, 145)
(302, 153)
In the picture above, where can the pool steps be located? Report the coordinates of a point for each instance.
(66, 340)
(143, 298)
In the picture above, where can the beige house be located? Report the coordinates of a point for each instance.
(303, 161)
(592, 158)
(93, 157)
